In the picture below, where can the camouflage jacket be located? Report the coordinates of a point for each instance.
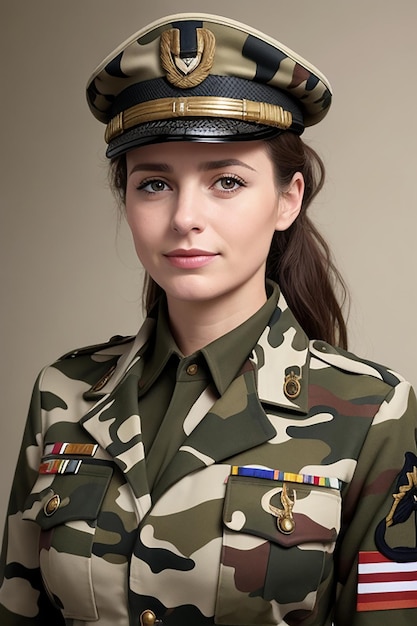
(261, 518)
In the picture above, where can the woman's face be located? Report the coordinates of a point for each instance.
(202, 216)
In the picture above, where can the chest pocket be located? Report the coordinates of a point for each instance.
(66, 509)
(267, 572)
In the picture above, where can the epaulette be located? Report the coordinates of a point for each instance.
(350, 362)
(116, 340)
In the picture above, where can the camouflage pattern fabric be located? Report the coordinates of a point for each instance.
(240, 51)
(86, 541)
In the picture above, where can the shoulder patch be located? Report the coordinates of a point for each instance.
(404, 505)
(116, 340)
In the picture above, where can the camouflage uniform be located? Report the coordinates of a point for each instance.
(221, 539)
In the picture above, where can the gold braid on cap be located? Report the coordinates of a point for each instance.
(198, 106)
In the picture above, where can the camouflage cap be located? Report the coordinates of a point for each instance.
(203, 77)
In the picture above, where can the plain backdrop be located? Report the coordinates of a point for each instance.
(69, 276)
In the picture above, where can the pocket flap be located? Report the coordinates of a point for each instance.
(68, 497)
(255, 506)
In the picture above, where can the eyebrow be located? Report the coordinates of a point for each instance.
(150, 167)
(204, 167)
(218, 165)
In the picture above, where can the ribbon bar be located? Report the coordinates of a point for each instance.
(82, 449)
(60, 466)
(278, 475)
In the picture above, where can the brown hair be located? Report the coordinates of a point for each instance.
(299, 259)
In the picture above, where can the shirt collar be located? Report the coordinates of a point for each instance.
(160, 348)
(224, 357)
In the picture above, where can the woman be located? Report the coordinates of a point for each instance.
(228, 465)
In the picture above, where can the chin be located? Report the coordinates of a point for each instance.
(192, 290)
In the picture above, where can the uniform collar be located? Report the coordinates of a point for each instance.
(224, 357)
(281, 347)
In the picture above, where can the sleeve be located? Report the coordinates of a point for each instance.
(23, 601)
(377, 555)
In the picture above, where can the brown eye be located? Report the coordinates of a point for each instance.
(228, 183)
(157, 185)
(153, 186)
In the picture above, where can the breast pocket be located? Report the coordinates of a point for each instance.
(66, 509)
(278, 542)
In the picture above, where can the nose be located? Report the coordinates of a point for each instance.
(188, 211)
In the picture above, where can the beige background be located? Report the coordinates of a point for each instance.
(69, 276)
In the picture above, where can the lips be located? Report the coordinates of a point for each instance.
(193, 258)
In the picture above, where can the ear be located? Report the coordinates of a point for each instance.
(289, 202)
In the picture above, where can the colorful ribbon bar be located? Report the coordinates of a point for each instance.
(83, 449)
(60, 466)
(271, 474)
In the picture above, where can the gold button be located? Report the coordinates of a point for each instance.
(52, 505)
(192, 369)
(286, 524)
(148, 618)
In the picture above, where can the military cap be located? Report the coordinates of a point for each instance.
(203, 77)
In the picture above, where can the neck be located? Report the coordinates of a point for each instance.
(195, 324)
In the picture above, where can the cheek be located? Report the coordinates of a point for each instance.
(139, 222)
(134, 226)
(147, 238)
(255, 236)
(257, 227)
(139, 231)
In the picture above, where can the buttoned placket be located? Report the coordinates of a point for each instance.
(191, 380)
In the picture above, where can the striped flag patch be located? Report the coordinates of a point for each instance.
(385, 584)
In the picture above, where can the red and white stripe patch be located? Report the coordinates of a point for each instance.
(385, 584)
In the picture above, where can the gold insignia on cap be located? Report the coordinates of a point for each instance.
(285, 519)
(292, 385)
(191, 71)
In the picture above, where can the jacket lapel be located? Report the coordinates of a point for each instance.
(237, 421)
(282, 351)
(113, 421)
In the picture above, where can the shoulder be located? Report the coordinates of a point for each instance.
(84, 368)
(350, 363)
(360, 386)
(94, 369)
(115, 346)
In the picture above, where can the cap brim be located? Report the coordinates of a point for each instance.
(210, 130)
